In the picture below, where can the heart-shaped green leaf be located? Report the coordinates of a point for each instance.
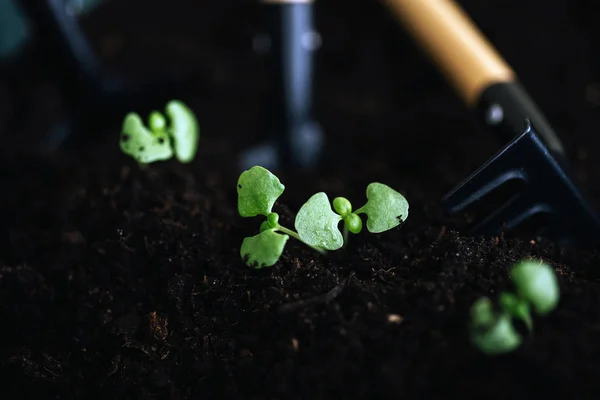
(257, 189)
(516, 307)
(264, 249)
(385, 208)
(184, 129)
(317, 223)
(142, 144)
(482, 313)
(537, 283)
(490, 333)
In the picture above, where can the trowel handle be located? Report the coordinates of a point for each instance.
(290, 45)
(472, 66)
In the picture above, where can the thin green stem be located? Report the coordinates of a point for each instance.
(296, 236)
(516, 307)
(345, 233)
(289, 232)
(524, 313)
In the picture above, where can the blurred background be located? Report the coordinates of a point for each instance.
(375, 95)
(370, 79)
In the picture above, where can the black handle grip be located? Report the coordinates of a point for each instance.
(293, 42)
(506, 106)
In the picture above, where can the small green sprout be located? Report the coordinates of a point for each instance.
(258, 189)
(536, 286)
(160, 141)
(316, 222)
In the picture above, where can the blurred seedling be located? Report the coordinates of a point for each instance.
(316, 223)
(493, 332)
(178, 135)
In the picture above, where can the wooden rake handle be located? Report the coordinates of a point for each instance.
(460, 51)
(472, 66)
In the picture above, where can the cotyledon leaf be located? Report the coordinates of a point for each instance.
(500, 337)
(257, 189)
(482, 313)
(264, 249)
(491, 333)
(537, 282)
(184, 129)
(142, 144)
(317, 224)
(385, 208)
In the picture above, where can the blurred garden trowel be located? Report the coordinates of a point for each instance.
(294, 139)
(95, 99)
(525, 188)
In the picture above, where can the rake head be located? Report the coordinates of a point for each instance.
(525, 190)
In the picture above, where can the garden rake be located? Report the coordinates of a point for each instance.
(526, 187)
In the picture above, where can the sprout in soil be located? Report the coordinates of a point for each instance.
(316, 222)
(536, 287)
(160, 141)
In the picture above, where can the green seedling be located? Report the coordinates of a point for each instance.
(536, 288)
(316, 222)
(160, 141)
(258, 189)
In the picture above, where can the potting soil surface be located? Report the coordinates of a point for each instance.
(118, 282)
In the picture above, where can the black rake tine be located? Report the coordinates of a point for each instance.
(487, 178)
(547, 189)
(477, 186)
(510, 215)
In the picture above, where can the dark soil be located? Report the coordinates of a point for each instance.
(121, 283)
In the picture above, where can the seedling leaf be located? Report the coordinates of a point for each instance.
(264, 226)
(501, 337)
(482, 313)
(257, 189)
(517, 308)
(157, 122)
(264, 249)
(385, 208)
(317, 224)
(184, 129)
(142, 144)
(353, 223)
(490, 333)
(537, 283)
